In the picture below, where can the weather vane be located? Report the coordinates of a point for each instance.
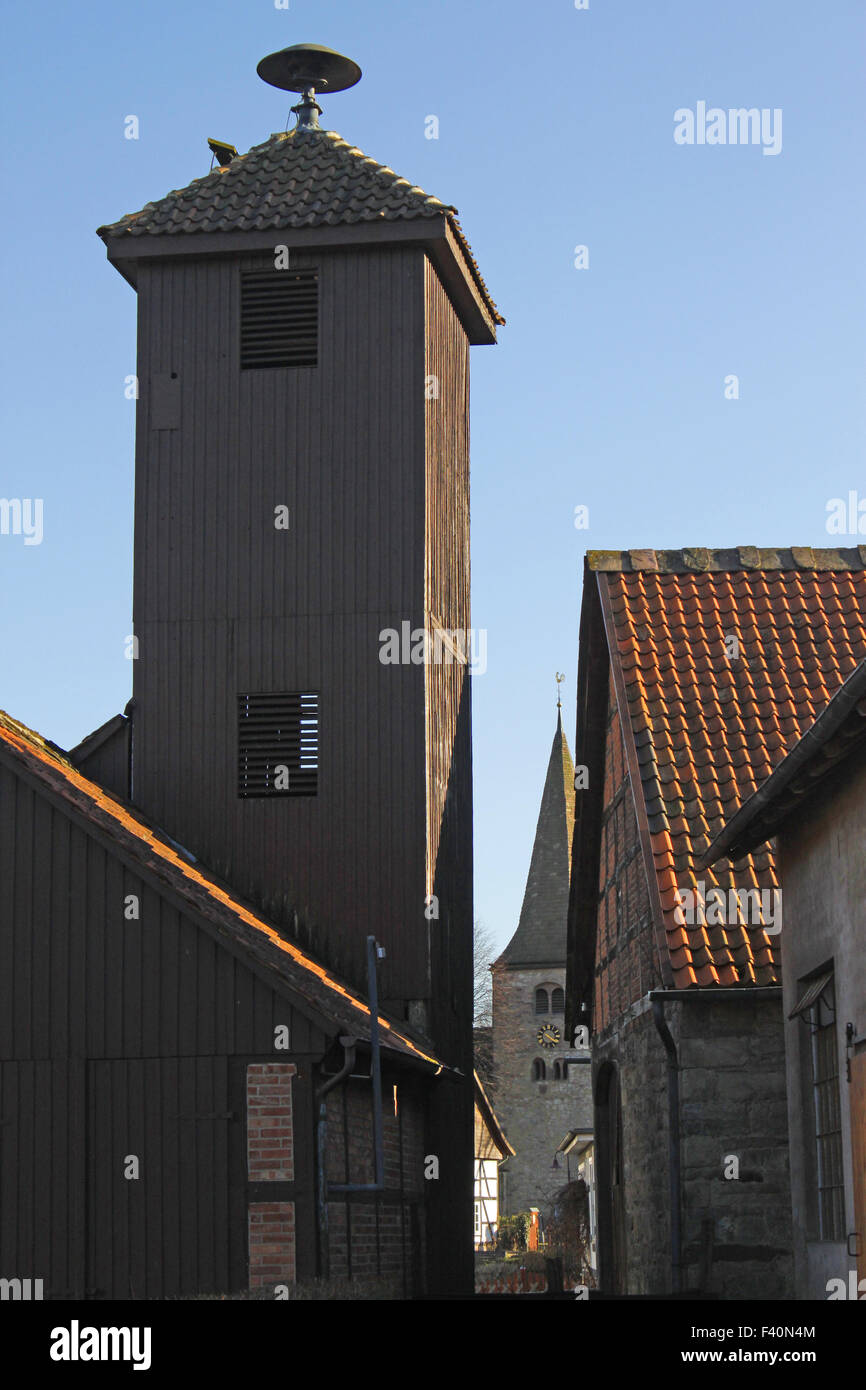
(560, 677)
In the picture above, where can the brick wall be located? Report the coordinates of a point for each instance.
(377, 1235)
(270, 1138)
(626, 963)
(270, 1158)
(271, 1243)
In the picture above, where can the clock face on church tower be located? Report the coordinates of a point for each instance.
(548, 1035)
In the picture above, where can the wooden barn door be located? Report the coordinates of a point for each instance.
(42, 1214)
(165, 1196)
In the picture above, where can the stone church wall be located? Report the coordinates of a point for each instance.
(536, 1115)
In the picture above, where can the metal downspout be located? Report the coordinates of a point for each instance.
(673, 1143)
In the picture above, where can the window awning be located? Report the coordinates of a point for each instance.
(814, 989)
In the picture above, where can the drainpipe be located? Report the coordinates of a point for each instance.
(374, 952)
(673, 1142)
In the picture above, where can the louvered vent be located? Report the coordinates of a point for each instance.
(278, 744)
(280, 318)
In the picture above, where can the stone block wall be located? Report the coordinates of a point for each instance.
(736, 1231)
(535, 1115)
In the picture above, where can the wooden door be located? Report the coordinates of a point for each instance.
(42, 1214)
(165, 1181)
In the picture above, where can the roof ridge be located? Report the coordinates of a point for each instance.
(702, 559)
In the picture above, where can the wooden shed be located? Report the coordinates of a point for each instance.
(161, 1051)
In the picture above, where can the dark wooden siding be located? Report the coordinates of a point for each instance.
(178, 1227)
(79, 979)
(108, 762)
(449, 788)
(114, 1035)
(42, 1188)
(225, 603)
(449, 723)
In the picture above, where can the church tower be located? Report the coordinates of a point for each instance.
(541, 1083)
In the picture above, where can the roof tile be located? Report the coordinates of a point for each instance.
(709, 730)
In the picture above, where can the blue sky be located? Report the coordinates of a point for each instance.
(607, 388)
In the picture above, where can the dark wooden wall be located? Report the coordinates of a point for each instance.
(449, 795)
(225, 603)
(123, 1037)
(108, 761)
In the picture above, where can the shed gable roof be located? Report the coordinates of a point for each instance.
(235, 923)
(708, 728)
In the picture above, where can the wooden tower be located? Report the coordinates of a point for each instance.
(302, 490)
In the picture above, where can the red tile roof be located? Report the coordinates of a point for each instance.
(333, 1001)
(707, 729)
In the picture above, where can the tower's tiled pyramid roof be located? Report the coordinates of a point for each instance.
(295, 179)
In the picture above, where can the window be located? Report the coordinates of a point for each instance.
(821, 1015)
(558, 1004)
(279, 318)
(560, 1071)
(539, 1071)
(278, 744)
(542, 1004)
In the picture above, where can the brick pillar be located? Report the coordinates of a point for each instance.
(270, 1158)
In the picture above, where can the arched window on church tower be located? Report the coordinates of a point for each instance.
(558, 1004)
(560, 1071)
(539, 1071)
(542, 1003)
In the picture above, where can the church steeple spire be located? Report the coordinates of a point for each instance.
(541, 930)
